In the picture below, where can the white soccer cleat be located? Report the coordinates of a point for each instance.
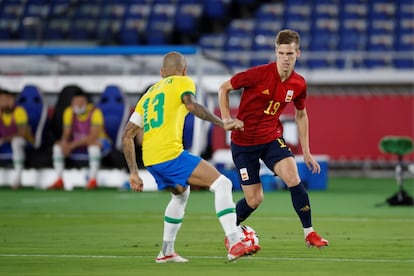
(174, 258)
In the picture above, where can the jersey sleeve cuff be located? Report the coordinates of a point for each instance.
(136, 119)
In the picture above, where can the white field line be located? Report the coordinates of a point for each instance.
(208, 257)
(213, 217)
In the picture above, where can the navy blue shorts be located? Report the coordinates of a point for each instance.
(246, 159)
(176, 171)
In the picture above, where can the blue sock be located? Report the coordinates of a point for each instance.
(301, 204)
(243, 210)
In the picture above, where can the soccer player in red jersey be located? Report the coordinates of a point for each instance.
(258, 133)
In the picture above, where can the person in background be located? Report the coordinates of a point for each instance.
(258, 132)
(15, 133)
(83, 132)
(158, 121)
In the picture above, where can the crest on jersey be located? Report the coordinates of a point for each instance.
(244, 175)
(289, 96)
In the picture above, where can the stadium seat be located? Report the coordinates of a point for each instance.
(212, 41)
(8, 27)
(83, 29)
(216, 9)
(130, 32)
(270, 12)
(238, 42)
(353, 33)
(241, 27)
(261, 57)
(325, 35)
(160, 24)
(115, 110)
(328, 9)
(188, 18)
(36, 106)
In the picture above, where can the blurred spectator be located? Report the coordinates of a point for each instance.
(83, 136)
(15, 133)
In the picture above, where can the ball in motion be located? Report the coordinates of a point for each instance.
(250, 235)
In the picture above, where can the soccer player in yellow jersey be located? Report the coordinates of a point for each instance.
(158, 120)
(15, 133)
(83, 131)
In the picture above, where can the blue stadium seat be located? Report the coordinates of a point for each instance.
(110, 21)
(35, 104)
(238, 42)
(212, 41)
(325, 35)
(216, 9)
(353, 35)
(241, 27)
(328, 9)
(11, 13)
(261, 57)
(160, 24)
(88, 10)
(298, 11)
(267, 28)
(263, 42)
(115, 110)
(130, 32)
(83, 29)
(318, 63)
(357, 9)
(8, 27)
(188, 18)
(381, 42)
(270, 11)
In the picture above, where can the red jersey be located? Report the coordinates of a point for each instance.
(263, 99)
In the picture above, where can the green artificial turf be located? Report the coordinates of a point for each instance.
(110, 232)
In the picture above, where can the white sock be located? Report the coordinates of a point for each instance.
(94, 153)
(58, 160)
(173, 218)
(307, 231)
(18, 156)
(225, 207)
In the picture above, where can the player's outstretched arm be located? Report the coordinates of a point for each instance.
(128, 147)
(200, 110)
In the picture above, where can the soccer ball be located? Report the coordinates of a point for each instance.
(250, 235)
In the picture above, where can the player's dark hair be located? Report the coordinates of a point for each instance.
(287, 37)
(5, 92)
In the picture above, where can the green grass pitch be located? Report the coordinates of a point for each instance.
(110, 232)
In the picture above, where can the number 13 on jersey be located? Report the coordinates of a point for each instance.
(154, 112)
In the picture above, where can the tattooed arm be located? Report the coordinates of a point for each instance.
(202, 112)
(128, 147)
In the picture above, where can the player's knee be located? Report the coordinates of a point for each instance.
(182, 197)
(57, 150)
(292, 181)
(17, 143)
(94, 150)
(254, 201)
(221, 183)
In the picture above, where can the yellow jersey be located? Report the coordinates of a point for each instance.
(163, 114)
(96, 118)
(19, 116)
